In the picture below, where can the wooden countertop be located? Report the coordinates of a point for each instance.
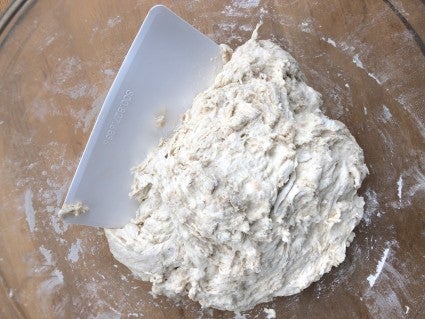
(57, 62)
(3, 5)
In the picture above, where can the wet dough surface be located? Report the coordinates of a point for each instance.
(253, 196)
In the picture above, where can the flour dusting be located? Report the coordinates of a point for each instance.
(246, 28)
(246, 3)
(243, 8)
(29, 210)
(53, 282)
(74, 251)
(400, 188)
(372, 278)
(386, 114)
(410, 184)
(329, 40)
(85, 117)
(306, 26)
(419, 181)
(47, 254)
(109, 72)
(375, 77)
(359, 64)
(371, 206)
(270, 313)
(112, 22)
(403, 99)
(78, 91)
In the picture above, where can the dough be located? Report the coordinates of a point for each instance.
(252, 197)
(75, 209)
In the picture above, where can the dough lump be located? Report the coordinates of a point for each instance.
(252, 197)
(75, 209)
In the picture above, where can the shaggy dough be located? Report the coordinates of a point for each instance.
(254, 195)
(75, 209)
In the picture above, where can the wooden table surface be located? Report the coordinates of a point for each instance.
(3, 5)
(57, 62)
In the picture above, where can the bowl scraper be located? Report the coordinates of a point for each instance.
(168, 64)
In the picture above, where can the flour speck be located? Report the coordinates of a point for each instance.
(330, 41)
(246, 3)
(47, 254)
(112, 22)
(386, 114)
(372, 278)
(357, 62)
(270, 313)
(29, 210)
(74, 251)
(400, 188)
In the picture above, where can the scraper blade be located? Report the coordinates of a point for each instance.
(168, 64)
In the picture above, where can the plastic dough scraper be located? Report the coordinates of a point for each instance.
(168, 64)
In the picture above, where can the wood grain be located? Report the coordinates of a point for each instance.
(3, 5)
(57, 62)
